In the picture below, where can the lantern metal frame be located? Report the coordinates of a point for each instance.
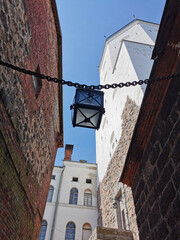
(79, 104)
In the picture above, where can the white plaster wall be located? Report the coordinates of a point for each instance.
(48, 216)
(122, 61)
(66, 212)
(50, 207)
(77, 214)
(83, 171)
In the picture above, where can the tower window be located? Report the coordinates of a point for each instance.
(43, 230)
(75, 179)
(70, 231)
(73, 196)
(88, 198)
(88, 181)
(50, 194)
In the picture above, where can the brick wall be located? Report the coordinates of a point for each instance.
(156, 186)
(14, 205)
(108, 188)
(29, 124)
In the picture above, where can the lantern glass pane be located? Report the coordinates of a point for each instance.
(94, 119)
(83, 113)
(90, 98)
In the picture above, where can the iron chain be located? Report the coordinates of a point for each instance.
(84, 86)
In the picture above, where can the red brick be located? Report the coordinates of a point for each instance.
(29, 124)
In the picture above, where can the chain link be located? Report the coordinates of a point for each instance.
(84, 86)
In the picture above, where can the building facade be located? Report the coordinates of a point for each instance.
(31, 126)
(152, 166)
(71, 208)
(126, 58)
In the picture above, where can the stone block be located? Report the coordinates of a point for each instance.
(175, 156)
(144, 230)
(165, 177)
(152, 179)
(167, 197)
(166, 132)
(176, 178)
(160, 231)
(174, 213)
(153, 195)
(139, 189)
(174, 115)
(102, 233)
(175, 233)
(154, 215)
(155, 152)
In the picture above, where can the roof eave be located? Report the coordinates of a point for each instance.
(120, 31)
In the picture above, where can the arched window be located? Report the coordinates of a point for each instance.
(50, 194)
(70, 231)
(86, 231)
(73, 196)
(43, 230)
(87, 198)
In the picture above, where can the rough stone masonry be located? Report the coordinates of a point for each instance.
(107, 214)
(29, 122)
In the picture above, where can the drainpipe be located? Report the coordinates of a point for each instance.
(56, 206)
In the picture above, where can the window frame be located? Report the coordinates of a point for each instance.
(53, 177)
(50, 194)
(70, 231)
(75, 179)
(73, 198)
(43, 230)
(88, 198)
(88, 180)
(121, 210)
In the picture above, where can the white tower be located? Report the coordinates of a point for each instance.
(126, 58)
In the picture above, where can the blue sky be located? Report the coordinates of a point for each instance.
(84, 25)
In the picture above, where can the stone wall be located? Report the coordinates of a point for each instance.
(29, 123)
(156, 186)
(109, 186)
(110, 233)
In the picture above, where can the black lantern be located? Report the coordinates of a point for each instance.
(88, 108)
